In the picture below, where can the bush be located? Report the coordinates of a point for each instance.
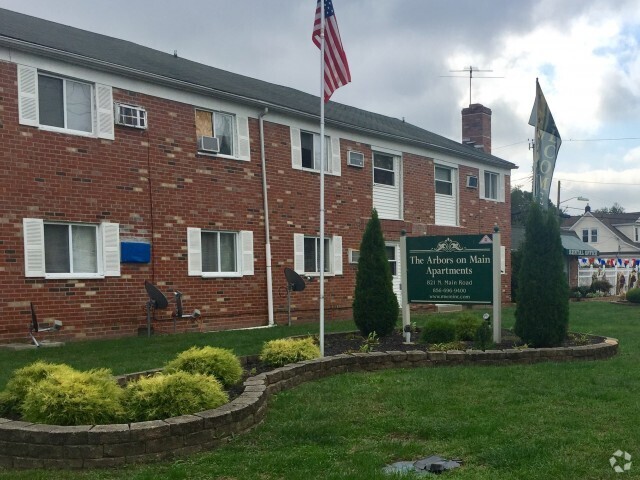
(23, 380)
(467, 325)
(443, 347)
(277, 353)
(219, 362)
(602, 285)
(484, 336)
(375, 305)
(542, 312)
(438, 330)
(633, 295)
(70, 397)
(163, 396)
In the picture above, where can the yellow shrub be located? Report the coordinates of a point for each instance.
(288, 350)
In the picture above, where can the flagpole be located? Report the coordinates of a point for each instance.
(534, 192)
(322, 160)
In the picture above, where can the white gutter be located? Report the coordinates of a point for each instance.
(267, 242)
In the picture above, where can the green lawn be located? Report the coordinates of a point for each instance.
(517, 422)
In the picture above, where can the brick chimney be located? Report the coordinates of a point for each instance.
(476, 126)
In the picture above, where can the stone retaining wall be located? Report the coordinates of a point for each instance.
(28, 445)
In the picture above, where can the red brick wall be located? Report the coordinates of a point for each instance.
(155, 185)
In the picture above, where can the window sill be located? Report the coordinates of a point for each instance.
(492, 200)
(220, 155)
(222, 275)
(73, 276)
(79, 133)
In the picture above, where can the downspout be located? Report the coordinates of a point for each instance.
(267, 243)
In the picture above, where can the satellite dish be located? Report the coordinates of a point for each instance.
(294, 281)
(156, 296)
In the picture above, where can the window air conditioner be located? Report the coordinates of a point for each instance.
(472, 181)
(355, 159)
(208, 144)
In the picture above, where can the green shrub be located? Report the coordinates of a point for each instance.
(438, 330)
(277, 353)
(467, 325)
(484, 336)
(542, 312)
(70, 397)
(443, 347)
(219, 362)
(375, 305)
(602, 285)
(633, 295)
(163, 396)
(21, 382)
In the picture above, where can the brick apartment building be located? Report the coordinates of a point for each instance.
(123, 164)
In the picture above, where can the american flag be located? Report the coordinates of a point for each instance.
(336, 68)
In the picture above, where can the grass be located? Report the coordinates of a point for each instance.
(528, 421)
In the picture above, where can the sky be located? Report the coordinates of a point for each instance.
(407, 60)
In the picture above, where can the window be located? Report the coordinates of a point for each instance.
(312, 255)
(585, 235)
(307, 254)
(383, 171)
(594, 235)
(354, 255)
(131, 116)
(305, 151)
(637, 234)
(219, 253)
(444, 181)
(391, 256)
(71, 250)
(55, 102)
(65, 103)
(491, 185)
(219, 125)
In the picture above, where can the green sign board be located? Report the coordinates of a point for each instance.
(450, 269)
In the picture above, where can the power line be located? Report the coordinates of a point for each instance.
(573, 139)
(600, 183)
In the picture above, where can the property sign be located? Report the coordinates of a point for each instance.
(450, 269)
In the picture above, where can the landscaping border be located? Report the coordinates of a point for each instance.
(27, 445)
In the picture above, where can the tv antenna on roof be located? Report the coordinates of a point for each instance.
(469, 69)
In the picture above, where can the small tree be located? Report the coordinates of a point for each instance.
(375, 306)
(542, 312)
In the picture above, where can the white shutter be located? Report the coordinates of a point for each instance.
(246, 243)
(335, 156)
(298, 247)
(244, 146)
(104, 101)
(33, 247)
(337, 254)
(111, 249)
(481, 183)
(296, 148)
(194, 251)
(501, 181)
(28, 95)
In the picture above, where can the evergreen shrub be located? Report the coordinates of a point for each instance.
(467, 324)
(219, 362)
(438, 330)
(602, 285)
(633, 295)
(71, 397)
(22, 380)
(162, 396)
(282, 351)
(542, 311)
(375, 305)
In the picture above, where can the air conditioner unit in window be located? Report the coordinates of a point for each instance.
(208, 144)
(354, 255)
(130, 116)
(472, 181)
(355, 159)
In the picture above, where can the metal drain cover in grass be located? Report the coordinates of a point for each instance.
(432, 464)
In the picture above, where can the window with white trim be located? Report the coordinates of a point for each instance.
(232, 132)
(307, 254)
(444, 180)
(219, 253)
(71, 250)
(637, 234)
(391, 256)
(305, 151)
(383, 169)
(585, 235)
(491, 185)
(594, 235)
(55, 102)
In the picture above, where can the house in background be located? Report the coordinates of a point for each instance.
(122, 164)
(616, 237)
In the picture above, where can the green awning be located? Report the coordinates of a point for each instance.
(574, 247)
